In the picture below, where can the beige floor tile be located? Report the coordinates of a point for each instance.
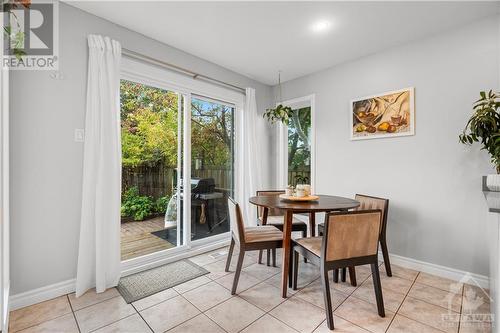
(249, 260)
(38, 313)
(392, 299)
(154, 299)
(91, 298)
(102, 314)
(131, 324)
(64, 324)
(268, 324)
(468, 289)
(261, 272)
(209, 257)
(299, 314)
(276, 282)
(475, 304)
(263, 295)
(440, 283)
(401, 324)
(436, 296)
(362, 273)
(313, 293)
(394, 283)
(207, 296)
(234, 314)
(341, 326)
(344, 287)
(169, 314)
(191, 284)
(430, 314)
(307, 273)
(475, 300)
(216, 269)
(245, 281)
(402, 272)
(199, 324)
(364, 314)
(475, 324)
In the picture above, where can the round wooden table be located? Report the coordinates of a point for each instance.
(325, 203)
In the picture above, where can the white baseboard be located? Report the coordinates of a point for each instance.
(438, 270)
(42, 294)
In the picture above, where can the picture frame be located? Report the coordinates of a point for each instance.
(383, 115)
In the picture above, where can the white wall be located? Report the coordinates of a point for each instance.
(437, 211)
(46, 163)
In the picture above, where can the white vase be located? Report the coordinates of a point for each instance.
(493, 183)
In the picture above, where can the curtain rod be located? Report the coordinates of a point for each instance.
(145, 58)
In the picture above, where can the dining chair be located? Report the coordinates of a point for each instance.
(275, 217)
(368, 202)
(249, 239)
(350, 239)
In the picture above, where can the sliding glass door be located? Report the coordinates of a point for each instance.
(212, 166)
(151, 128)
(177, 167)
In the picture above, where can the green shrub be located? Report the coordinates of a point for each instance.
(161, 204)
(136, 206)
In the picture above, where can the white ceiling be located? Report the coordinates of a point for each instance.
(258, 39)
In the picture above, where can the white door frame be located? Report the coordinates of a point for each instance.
(282, 165)
(137, 71)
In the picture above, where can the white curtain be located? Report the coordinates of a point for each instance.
(250, 159)
(99, 250)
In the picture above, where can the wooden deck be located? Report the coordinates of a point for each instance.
(137, 240)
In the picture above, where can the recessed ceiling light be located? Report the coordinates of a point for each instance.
(321, 26)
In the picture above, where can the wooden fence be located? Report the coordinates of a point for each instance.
(160, 180)
(299, 177)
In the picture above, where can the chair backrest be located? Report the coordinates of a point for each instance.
(272, 211)
(236, 220)
(351, 234)
(368, 202)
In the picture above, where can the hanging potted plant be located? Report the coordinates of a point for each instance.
(281, 112)
(484, 127)
(285, 114)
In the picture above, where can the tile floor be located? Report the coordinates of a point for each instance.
(414, 302)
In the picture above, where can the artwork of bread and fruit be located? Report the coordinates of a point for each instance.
(383, 115)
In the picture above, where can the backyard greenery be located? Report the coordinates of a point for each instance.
(149, 133)
(140, 207)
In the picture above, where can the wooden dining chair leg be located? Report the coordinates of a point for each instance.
(378, 289)
(274, 257)
(268, 257)
(295, 269)
(343, 276)
(230, 255)
(260, 256)
(352, 276)
(336, 276)
(241, 256)
(304, 235)
(385, 253)
(326, 294)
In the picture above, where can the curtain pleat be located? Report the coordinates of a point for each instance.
(250, 158)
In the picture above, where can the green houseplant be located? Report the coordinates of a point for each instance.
(484, 127)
